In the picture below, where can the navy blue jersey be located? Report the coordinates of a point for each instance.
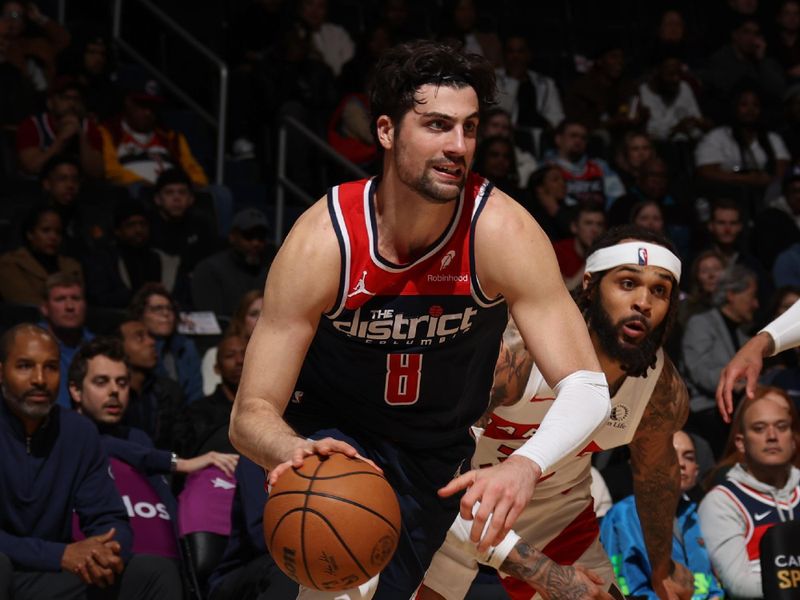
(408, 352)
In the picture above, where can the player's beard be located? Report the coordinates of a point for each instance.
(634, 359)
(423, 183)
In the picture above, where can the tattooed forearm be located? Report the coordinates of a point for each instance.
(510, 376)
(548, 578)
(656, 474)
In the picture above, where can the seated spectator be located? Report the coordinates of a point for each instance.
(124, 264)
(783, 370)
(622, 537)
(34, 41)
(57, 453)
(64, 316)
(23, 271)
(100, 388)
(497, 121)
(177, 355)
(136, 149)
(789, 128)
(587, 224)
(532, 99)
(784, 47)
(548, 202)
(778, 226)
(706, 269)
(761, 490)
(789, 201)
(175, 228)
(242, 323)
(673, 110)
(709, 342)
(786, 270)
(744, 58)
(63, 128)
(742, 154)
(156, 401)
(330, 42)
(247, 569)
(60, 181)
(725, 229)
(459, 24)
(648, 215)
(204, 426)
(603, 97)
(494, 159)
(588, 179)
(219, 281)
(634, 151)
(19, 84)
(88, 60)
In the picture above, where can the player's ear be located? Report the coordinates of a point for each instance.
(587, 279)
(385, 129)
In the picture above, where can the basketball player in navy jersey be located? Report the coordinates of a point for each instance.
(383, 317)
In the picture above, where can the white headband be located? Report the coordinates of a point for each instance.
(634, 253)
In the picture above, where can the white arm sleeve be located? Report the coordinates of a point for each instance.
(785, 330)
(582, 404)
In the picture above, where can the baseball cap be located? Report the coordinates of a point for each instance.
(140, 86)
(249, 218)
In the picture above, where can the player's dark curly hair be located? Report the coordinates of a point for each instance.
(404, 68)
(585, 297)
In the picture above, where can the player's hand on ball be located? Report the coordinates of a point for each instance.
(503, 491)
(323, 447)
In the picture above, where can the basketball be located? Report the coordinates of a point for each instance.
(332, 524)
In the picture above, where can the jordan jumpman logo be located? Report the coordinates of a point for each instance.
(361, 287)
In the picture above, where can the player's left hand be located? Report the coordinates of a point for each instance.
(677, 586)
(503, 491)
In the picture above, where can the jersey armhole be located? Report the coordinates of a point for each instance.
(340, 227)
(477, 292)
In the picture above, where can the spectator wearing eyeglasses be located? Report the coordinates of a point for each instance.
(222, 279)
(178, 358)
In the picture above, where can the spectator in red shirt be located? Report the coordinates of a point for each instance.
(63, 128)
(588, 224)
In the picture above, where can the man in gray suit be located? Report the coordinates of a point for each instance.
(710, 341)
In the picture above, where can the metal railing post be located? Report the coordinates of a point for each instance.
(280, 192)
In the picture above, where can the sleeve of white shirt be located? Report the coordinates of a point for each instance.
(708, 151)
(692, 108)
(778, 147)
(552, 110)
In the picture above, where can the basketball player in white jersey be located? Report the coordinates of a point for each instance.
(629, 300)
(781, 334)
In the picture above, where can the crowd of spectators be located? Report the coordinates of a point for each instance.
(112, 232)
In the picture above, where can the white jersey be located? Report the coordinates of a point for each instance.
(511, 426)
(559, 520)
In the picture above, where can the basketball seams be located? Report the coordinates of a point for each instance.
(353, 503)
(339, 476)
(341, 541)
(303, 524)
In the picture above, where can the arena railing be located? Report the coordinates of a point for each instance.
(283, 183)
(217, 121)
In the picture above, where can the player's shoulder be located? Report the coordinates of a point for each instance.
(503, 214)
(668, 407)
(312, 236)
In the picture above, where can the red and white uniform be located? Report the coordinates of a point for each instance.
(560, 519)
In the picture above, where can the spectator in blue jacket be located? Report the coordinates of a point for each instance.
(178, 358)
(51, 465)
(99, 383)
(621, 535)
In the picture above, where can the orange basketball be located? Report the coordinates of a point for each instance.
(332, 524)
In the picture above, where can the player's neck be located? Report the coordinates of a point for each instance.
(407, 223)
(612, 368)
